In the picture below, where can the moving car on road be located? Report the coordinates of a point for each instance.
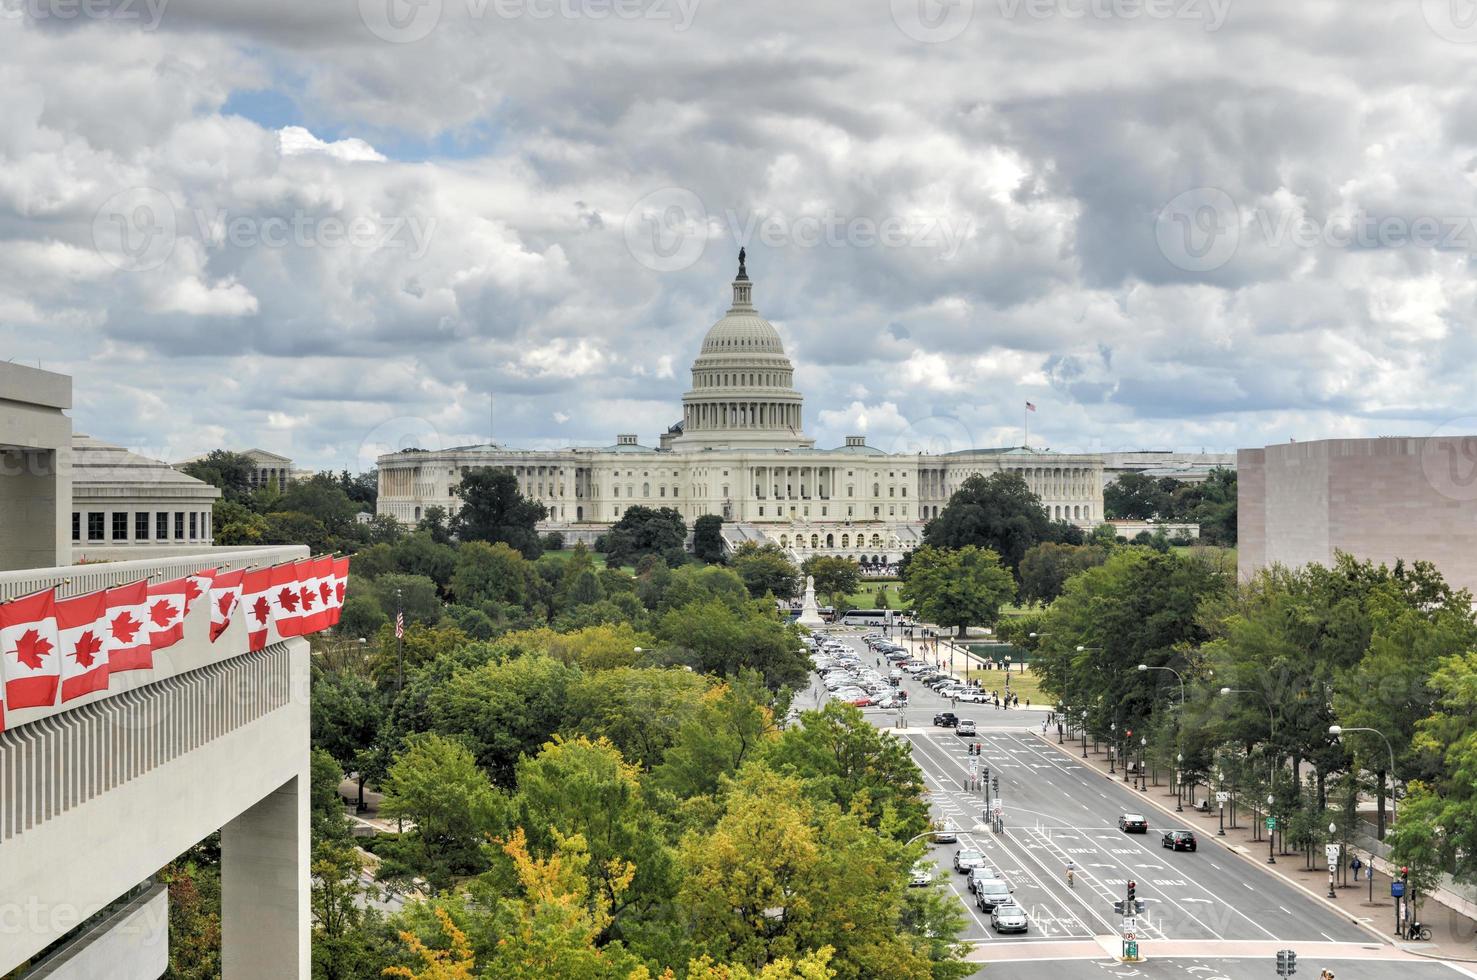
(1133, 823)
(945, 719)
(1008, 917)
(921, 876)
(946, 833)
(1179, 840)
(965, 727)
(990, 893)
(978, 874)
(966, 858)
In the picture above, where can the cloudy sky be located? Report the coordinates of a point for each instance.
(334, 227)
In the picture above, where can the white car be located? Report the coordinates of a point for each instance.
(921, 876)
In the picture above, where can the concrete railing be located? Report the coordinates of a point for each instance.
(196, 650)
(73, 580)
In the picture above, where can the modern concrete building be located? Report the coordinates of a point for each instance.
(1377, 499)
(35, 446)
(100, 792)
(128, 506)
(740, 451)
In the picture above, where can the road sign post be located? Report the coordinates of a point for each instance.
(1221, 797)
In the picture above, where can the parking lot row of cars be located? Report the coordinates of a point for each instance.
(847, 678)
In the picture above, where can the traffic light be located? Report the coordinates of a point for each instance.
(1287, 962)
(1128, 733)
(1132, 886)
(1120, 908)
(995, 784)
(987, 774)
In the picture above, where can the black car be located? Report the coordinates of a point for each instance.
(1179, 840)
(1133, 823)
(946, 719)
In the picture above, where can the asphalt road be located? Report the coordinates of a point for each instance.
(1203, 909)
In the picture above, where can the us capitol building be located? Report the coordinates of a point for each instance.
(740, 451)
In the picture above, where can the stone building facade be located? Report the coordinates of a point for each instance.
(740, 451)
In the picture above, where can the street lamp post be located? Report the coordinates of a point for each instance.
(1143, 778)
(1271, 830)
(1271, 729)
(1179, 782)
(1112, 744)
(1176, 675)
(1338, 730)
(1332, 830)
(1220, 779)
(1084, 733)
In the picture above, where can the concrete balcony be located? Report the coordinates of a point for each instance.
(96, 795)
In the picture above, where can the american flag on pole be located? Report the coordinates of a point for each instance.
(399, 625)
(1030, 407)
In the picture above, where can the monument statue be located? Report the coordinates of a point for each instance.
(810, 613)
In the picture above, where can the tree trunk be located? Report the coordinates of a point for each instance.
(359, 805)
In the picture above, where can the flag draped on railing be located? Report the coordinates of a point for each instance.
(55, 650)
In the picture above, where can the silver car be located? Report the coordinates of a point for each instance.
(1008, 917)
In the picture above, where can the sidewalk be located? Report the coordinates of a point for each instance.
(1453, 933)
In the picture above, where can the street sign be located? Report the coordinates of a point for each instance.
(1271, 823)
(1331, 851)
(974, 766)
(1222, 797)
(1397, 889)
(995, 806)
(1130, 926)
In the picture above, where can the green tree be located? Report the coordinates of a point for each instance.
(435, 523)
(735, 719)
(295, 527)
(717, 638)
(765, 569)
(835, 577)
(1134, 497)
(490, 573)
(1047, 566)
(435, 783)
(957, 587)
(494, 510)
(415, 595)
(707, 539)
(639, 710)
(347, 714)
(503, 710)
(643, 531)
(1418, 843)
(231, 473)
(999, 513)
(321, 498)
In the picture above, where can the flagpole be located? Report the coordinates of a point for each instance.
(1026, 425)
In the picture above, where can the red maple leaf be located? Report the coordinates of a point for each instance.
(161, 612)
(225, 602)
(261, 609)
(308, 596)
(192, 591)
(339, 590)
(287, 599)
(124, 626)
(325, 591)
(30, 648)
(88, 644)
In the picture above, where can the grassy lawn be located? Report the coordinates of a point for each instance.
(866, 596)
(1023, 683)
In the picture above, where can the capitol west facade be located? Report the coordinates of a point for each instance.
(740, 452)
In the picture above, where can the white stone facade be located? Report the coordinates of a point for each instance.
(740, 452)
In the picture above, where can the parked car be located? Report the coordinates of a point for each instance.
(990, 893)
(1133, 823)
(1008, 917)
(1179, 840)
(972, 697)
(966, 858)
(965, 728)
(979, 874)
(921, 876)
(945, 719)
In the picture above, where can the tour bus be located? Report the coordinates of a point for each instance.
(871, 617)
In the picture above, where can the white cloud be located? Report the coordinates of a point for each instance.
(295, 140)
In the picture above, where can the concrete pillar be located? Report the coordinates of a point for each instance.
(264, 887)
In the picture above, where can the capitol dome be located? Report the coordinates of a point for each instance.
(743, 386)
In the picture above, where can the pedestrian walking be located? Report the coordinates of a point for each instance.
(1043, 726)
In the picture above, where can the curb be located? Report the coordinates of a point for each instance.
(1229, 850)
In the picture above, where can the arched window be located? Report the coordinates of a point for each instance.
(646, 489)
(417, 513)
(876, 540)
(876, 489)
(815, 540)
(846, 541)
(784, 540)
(830, 541)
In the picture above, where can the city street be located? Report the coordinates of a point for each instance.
(1211, 913)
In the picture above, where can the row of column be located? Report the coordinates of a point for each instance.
(741, 415)
(794, 482)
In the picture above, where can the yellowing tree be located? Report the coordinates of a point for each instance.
(455, 963)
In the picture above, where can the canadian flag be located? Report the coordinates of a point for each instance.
(286, 599)
(340, 586)
(128, 633)
(310, 602)
(29, 648)
(324, 594)
(225, 597)
(167, 606)
(256, 584)
(197, 585)
(82, 625)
